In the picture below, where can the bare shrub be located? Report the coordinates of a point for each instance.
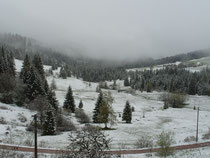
(28, 141)
(3, 121)
(206, 135)
(22, 118)
(42, 143)
(82, 116)
(189, 139)
(144, 142)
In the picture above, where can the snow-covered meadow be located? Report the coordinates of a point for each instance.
(182, 122)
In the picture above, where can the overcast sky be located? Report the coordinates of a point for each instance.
(112, 28)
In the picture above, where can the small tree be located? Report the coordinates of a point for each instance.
(49, 123)
(69, 101)
(90, 142)
(165, 140)
(127, 113)
(53, 85)
(97, 107)
(80, 104)
(104, 113)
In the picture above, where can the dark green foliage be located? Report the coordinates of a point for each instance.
(37, 63)
(63, 73)
(80, 104)
(97, 107)
(127, 113)
(52, 99)
(7, 64)
(172, 79)
(69, 101)
(126, 82)
(49, 127)
(25, 71)
(34, 85)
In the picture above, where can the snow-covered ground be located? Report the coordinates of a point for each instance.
(182, 122)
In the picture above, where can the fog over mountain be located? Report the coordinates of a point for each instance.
(114, 29)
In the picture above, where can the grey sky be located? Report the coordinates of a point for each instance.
(115, 28)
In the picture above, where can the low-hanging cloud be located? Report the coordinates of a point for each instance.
(116, 29)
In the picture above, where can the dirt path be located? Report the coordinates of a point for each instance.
(117, 152)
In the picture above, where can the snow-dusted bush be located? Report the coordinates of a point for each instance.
(63, 124)
(90, 142)
(3, 121)
(144, 142)
(189, 139)
(82, 116)
(22, 118)
(206, 135)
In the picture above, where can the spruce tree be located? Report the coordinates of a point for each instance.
(127, 113)
(49, 126)
(25, 71)
(69, 101)
(37, 63)
(34, 86)
(52, 99)
(80, 104)
(97, 107)
(11, 64)
(126, 82)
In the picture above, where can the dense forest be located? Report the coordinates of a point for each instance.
(171, 78)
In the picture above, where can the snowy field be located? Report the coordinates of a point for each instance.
(182, 122)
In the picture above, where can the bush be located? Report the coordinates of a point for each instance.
(63, 124)
(82, 116)
(22, 118)
(175, 100)
(144, 142)
(190, 139)
(164, 141)
(206, 135)
(3, 121)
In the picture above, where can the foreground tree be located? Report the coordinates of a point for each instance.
(69, 101)
(90, 142)
(127, 113)
(49, 127)
(165, 140)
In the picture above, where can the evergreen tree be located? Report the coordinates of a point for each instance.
(37, 63)
(3, 61)
(34, 86)
(192, 85)
(80, 104)
(127, 113)
(49, 126)
(63, 73)
(97, 107)
(52, 99)
(126, 82)
(69, 101)
(25, 71)
(11, 64)
(103, 116)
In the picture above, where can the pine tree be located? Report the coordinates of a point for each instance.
(52, 99)
(11, 64)
(37, 63)
(25, 71)
(103, 116)
(80, 104)
(69, 101)
(126, 82)
(3, 61)
(49, 126)
(97, 107)
(63, 73)
(127, 113)
(34, 86)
